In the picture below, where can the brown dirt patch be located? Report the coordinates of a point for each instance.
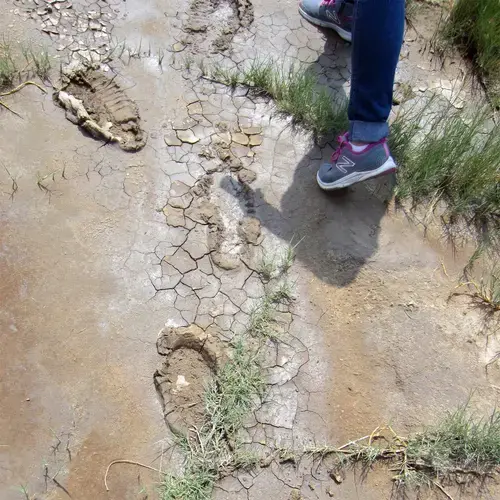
(191, 358)
(185, 378)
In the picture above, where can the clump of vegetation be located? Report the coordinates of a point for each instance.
(276, 264)
(460, 445)
(486, 290)
(213, 451)
(8, 68)
(295, 91)
(37, 62)
(474, 27)
(449, 155)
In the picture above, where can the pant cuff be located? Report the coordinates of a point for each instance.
(368, 131)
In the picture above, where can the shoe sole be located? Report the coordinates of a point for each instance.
(387, 168)
(345, 35)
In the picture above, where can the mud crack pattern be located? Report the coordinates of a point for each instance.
(81, 28)
(233, 185)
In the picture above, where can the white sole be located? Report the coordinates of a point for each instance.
(388, 167)
(345, 35)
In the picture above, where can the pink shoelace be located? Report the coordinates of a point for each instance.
(328, 2)
(342, 140)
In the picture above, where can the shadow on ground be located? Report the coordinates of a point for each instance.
(338, 231)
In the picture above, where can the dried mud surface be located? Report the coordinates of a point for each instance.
(100, 250)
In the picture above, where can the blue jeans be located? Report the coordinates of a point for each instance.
(377, 38)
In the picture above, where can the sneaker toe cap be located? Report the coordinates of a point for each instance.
(327, 173)
(310, 7)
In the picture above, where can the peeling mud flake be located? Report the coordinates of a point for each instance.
(250, 230)
(99, 106)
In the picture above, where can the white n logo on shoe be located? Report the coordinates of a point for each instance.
(333, 16)
(343, 162)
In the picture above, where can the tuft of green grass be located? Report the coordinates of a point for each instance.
(8, 68)
(230, 77)
(262, 321)
(450, 155)
(269, 267)
(231, 395)
(277, 264)
(38, 60)
(283, 293)
(295, 91)
(474, 27)
(460, 443)
(196, 485)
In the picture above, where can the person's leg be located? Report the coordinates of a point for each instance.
(377, 38)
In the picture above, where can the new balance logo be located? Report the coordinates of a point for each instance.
(333, 16)
(343, 162)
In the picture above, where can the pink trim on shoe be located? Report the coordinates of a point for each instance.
(344, 143)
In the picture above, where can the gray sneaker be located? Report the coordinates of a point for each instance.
(334, 14)
(348, 167)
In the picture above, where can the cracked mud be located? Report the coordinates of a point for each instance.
(172, 239)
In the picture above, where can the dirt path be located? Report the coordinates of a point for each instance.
(100, 249)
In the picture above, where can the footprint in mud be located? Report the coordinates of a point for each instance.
(97, 104)
(212, 24)
(191, 359)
